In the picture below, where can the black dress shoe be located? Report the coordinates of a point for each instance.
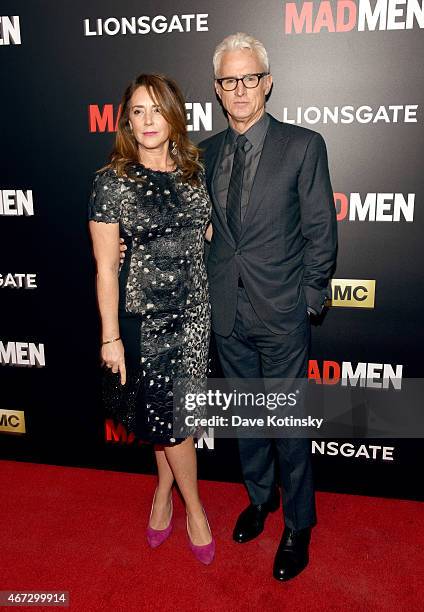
(251, 521)
(292, 555)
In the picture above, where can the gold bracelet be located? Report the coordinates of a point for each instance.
(113, 340)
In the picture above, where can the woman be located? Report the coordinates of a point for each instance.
(155, 312)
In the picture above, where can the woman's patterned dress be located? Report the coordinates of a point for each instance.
(164, 311)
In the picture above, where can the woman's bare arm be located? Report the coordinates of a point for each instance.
(105, 238)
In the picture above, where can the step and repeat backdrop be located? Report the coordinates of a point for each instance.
(350, 69)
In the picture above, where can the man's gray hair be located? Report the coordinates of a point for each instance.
(240, 41)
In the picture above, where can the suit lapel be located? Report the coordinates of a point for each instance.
(269, 165)
(212, 159)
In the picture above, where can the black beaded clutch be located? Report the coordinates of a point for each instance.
(122, 401)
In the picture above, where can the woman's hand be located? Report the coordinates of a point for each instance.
(112, 355)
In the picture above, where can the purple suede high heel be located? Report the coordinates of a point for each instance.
(156, 537)
(206, 553)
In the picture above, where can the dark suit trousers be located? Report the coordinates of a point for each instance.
(252, 351)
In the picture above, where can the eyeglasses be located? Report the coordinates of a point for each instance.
(250, 81)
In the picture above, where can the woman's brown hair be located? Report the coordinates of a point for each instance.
(166, 93)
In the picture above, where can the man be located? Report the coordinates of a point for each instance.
(271, 257)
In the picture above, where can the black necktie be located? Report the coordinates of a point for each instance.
(235, 189)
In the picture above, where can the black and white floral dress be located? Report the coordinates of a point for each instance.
(164, 311)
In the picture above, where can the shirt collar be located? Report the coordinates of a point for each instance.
(255, 134)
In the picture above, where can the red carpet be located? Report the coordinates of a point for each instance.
(82, 530)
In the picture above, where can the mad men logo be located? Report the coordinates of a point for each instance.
(374, 375)
(15, 202)
(146, 25)
(10, 30)
(18, 281)
(206, 440)
(387, 207)
(348, 15)
(352, 293)
(105, 118)
(12, 421)
(26, 354)
(116, 433)
(371, 452)
(311, 115)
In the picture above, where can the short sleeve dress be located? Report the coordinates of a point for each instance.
(164, 311)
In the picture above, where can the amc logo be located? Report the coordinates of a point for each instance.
(352, 293)
(12, 421)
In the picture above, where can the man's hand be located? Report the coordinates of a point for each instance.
(209, 233)
(122, 249)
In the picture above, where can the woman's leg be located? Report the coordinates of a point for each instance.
(161, 510)
(183, 463)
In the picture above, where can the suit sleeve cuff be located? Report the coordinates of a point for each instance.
(315, 299)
